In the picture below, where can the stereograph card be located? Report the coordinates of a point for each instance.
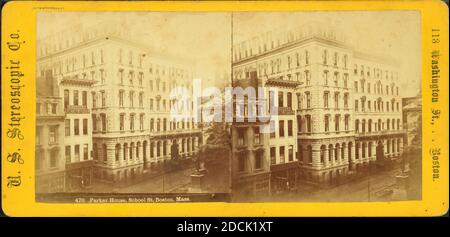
(225, 108)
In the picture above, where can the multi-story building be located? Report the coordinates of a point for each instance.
(250, 166)
(50, 167)
(377, 108)
(123, 90)
(77, 130)
(343, 105)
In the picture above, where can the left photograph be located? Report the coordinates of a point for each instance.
(123, 109)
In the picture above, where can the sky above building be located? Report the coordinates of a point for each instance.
(201, 40)
(204, 39)
(393, 34)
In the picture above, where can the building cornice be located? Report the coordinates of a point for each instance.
(93, 42)
(290, 46)
(182, 63)
(71, 49)
(282, 83)
(77, 81)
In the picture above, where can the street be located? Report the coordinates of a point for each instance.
(216, 180)
(161, 183)
(365, 189)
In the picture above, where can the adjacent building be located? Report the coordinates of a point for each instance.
(378, 110)
(50, 168)
(249, 163)
(77, 130)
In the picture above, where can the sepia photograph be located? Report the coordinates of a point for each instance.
(343, 94)
(119, 101)
(252, 111)
(249, 107)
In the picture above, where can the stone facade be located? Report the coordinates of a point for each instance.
(124, 93)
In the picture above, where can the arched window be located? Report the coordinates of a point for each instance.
(337, 149)
(164, 148)
(125, 151)
(357, 125)
(364, 146)
(158, 149)
(152, 149)
(363, 126)
(330, 152)
(393, 145)
(308, 99)
(349, 149)
(310, 158)
(323, 148)
(357, 150)
(138, 146)
(117, 152)
(132, 147)
(105, 152)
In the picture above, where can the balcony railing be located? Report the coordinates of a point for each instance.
(379, 133)
(178, 131)
(285, 111)
(73, 109)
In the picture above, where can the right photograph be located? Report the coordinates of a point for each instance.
(328, 106)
